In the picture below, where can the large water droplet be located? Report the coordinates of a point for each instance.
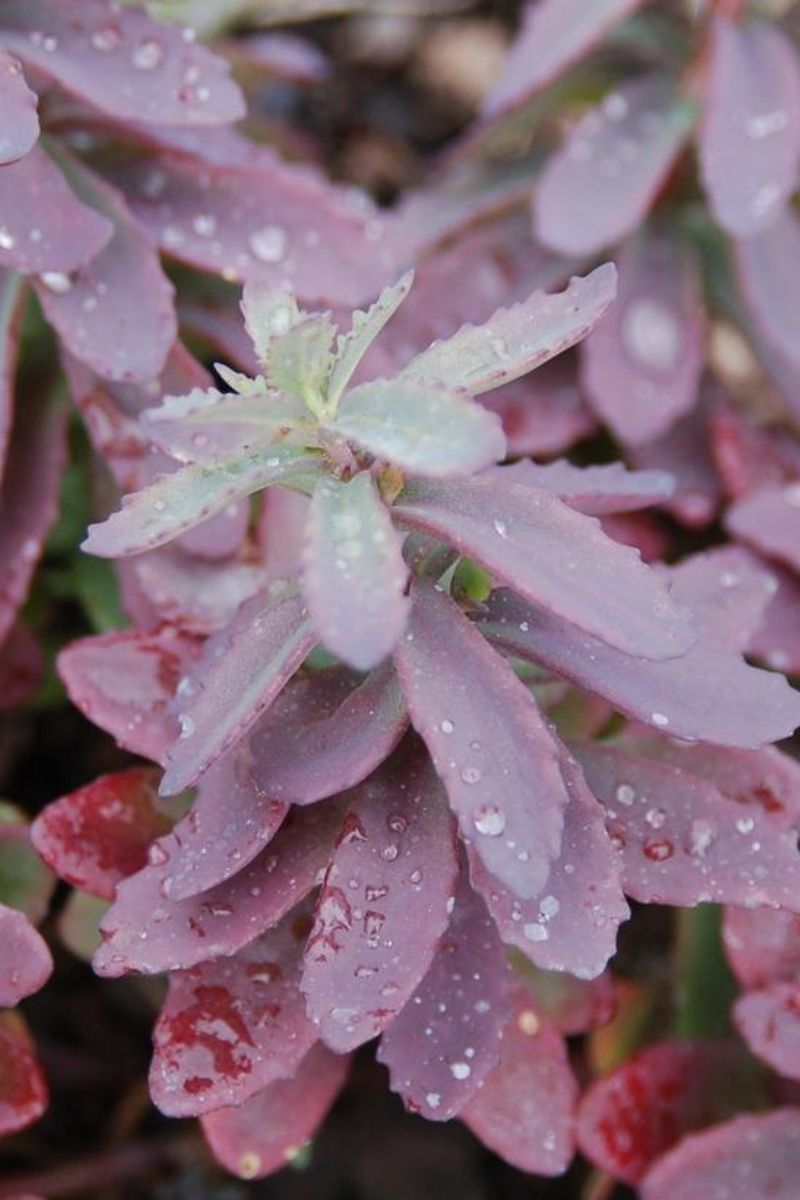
(268, 244)
(489, 820)
(148, 55)
(651, 334)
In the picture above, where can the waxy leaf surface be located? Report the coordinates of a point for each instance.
(592, 490)
(19, 123)
(25, 961)
(769, 1021)
(23, 1088)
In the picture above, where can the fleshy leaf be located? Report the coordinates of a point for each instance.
(597, 188)
(25, 961)
(299, 361)
(777, 641)
(769, 519)
(232, 1026)
(771, 285)
(19, 125)
(685, 452)
(728, 590)
(25, 882)
(23, 1089)
(446, 1040)
(762, 945)
(242, 670)
(268, 1130)
(353, 345)
(78, 924)
(558, 559)
(353, 574)
(170, 586)
(525, 1109)
(592, 490)
(268, 311)
(751, 117)
(383, 906)
(769, 1021)
(516, 340)
(572, 1005)
(542, 413)
(493, 751)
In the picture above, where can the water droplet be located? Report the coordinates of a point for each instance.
(489, 820)
(615, 106)
(535, 932)
(625, 794)
(549, 907)
(148, 55)
(205, 225)
(655, 817)
(659, 719)
(765, 124)
(268, 244)
(433, 1099)
(157, 855)
(651, 334)
(471, 774)
(745, 825)
(7, 239)
(500, 527)
(447, 726)
(186, 726)
(460, 1070)
(701, 835)
(106, 39)
(659, 849)
(528, 1022)
(56, 281)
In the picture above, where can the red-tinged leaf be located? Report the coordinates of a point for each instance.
(705, 694)
(441, 1047)
(13, 295)
(242, 670)
(769, 520)
(353, 573)
(19, 124)
(177, 588)
(683, 842)
(182, 933)
(70, 233)
(558, 559)
(728, 590)
(768, 277)
(769, 1021)
(572, 1005)
(281, 531)
(752, 116)
(641, 366)
(492, 749)
(543, 413)
(22, 667)
(232, 1026)
(122, 62)
(260, 212)
(763, 1150)
(748, 456)
(383, 906)
(23, 1089)
(685, 453)
(571, 924)
(25, 961)
(124, 682)
(554, 34)
(268, 1130)
(641, 531)
(116, 313)
(98, 835)
(320, 754)
(777, 640)
(525, 1110)
(762, 945)
(29, 498)
(516, 340)
(629, 1118)
(601, 184)
(592, 490)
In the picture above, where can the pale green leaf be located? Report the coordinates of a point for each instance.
(352, 346)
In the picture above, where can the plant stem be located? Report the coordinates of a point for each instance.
(704, 986)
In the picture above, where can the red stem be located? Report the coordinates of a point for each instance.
(85, 1175)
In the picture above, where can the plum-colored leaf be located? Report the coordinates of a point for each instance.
(641, 366)
(777, 640)
(492, 749)
(319, 754)
(179, 502)
(25, 961)
(683, 842)
(769, 520)
(705, 694)
(728, 590)
(29, 498)
(766, 267)
(762, 945)
(364, 328)
(752, 116)
(383, 906)
(748, 456)
(764, 1150)
(542, 413)
(268, 1130)
(571, 924)
(23, 1089)
(98, 835)
(424, 427)
(525, 1110)
(124, 682)
(592, 490)
(22, 667)
(769, 1021)
(232, 1026)
(558, 559)
(207, 424)
(19, 124)
(516, 340)
(685, 452)
(441, 1047)
(353, 574)
(554, 34)
(70, 233)
(182, 933)
(178, 588)
(122, 61)
(599, 186)
(242, 669)
(572, 1005)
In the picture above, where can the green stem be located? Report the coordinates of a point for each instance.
(704, 986)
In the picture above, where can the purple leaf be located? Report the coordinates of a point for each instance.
(23, 1088)
(69, 232)
(19, 124)
(542, 413)
(182, 933)
(122, 62)
(642, 365)
(494, 753)
(746, 455)
(752, 108)
(318, 754)
(601, 184)
(683, 842)
(241, 671)
(571, 925)
(762, 945)
(769, 1021)
(13, 296)
(705, 694)
(763, 1149)
(769, 519)
(525, 1109)
(25, 961)
(728, 590)
(516, 340)
(592, 490)
(446, 1040)
(353, 574)
(768, 277)
(777, 641)
(383, 906)
(268, 1130)
(556, 558)
(116, 314)
(124, 682)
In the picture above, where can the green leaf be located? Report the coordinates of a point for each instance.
(353, 345)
